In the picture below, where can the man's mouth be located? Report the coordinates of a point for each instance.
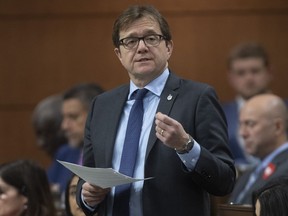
(143, 60)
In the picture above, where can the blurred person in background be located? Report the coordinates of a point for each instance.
(263, 126)
(24, 190)
(75, 106)
(71, 207)
(46, 120)
(272, 199)
(249, 75)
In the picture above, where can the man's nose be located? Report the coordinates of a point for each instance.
(64, 124)
(243, 132)
(142, 44)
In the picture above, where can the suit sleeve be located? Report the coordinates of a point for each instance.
(215, 170)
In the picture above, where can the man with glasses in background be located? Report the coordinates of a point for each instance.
(178, 134)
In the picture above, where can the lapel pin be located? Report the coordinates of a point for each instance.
(269, 170)
(169, 97)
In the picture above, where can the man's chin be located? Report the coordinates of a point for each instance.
(253, 93)
(252, 153)
(74, 144)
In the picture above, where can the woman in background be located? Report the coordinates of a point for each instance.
(272, 199)
(71, 207)
(24, 190)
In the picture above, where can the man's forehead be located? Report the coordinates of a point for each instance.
(143, 24)
(73, 106)
(252, 111)
(247, 115)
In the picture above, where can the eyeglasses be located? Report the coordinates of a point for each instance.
(149, 40)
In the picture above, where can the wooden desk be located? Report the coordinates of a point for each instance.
(235, 210)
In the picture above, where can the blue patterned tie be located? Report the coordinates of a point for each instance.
(129, 154)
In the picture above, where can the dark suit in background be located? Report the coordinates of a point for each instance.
(263, 127)
(231, 111)
(278, 168)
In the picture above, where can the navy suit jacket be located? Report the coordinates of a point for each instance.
(280, 169)
(232, 115)
(57, 173)
(173, 190)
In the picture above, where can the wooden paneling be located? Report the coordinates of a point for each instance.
(17, 138)
(49, 55)
(203, 42)
(235, 210)
(90, 6)
(49, 45)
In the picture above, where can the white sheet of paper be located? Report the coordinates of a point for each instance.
(103, 177)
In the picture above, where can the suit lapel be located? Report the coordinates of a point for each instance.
(167, 99)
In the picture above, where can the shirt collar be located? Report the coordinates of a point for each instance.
(240, 102)
(156, 86)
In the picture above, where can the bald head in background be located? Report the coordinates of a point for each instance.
(263, 124)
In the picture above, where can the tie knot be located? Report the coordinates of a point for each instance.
(140, 94)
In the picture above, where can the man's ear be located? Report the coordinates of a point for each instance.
(169, 45)
(118, 53)
(279, 126)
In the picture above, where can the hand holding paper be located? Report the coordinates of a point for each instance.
(103, 177)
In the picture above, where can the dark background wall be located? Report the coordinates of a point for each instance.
(47, 46)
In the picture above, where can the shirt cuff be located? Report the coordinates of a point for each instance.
(191, 158)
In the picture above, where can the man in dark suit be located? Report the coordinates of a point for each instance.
(263, 126)
(249, 74)
(183, 141)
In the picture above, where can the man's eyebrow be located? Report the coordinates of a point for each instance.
(150, 31)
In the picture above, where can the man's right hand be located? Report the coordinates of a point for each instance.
(93, 195)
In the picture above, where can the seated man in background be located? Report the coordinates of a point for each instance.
(46, 120)
(75, 106)
(249, 75)
(263, 126)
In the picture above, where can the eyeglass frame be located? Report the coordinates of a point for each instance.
(161, 37)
